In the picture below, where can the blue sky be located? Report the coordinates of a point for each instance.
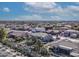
(36, 11)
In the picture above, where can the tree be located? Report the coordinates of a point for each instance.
(30, 40)
(3, 34)
(75, 27)
(19, 39)
(44, 51)
(38, 44)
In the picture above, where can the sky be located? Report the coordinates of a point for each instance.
(39, 11)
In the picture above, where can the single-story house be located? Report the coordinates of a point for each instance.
(44, 36)
(17, 33)
(66, 47)
(38, 29)
(70, 33)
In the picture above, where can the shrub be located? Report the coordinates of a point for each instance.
(3, 34)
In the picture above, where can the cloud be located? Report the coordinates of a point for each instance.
(73, 8)
(70, 12)
(40, 7)
(42, 4)
(45, 8)
(35, 17)
(6, 9)
(29, 17)
(56, 18)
